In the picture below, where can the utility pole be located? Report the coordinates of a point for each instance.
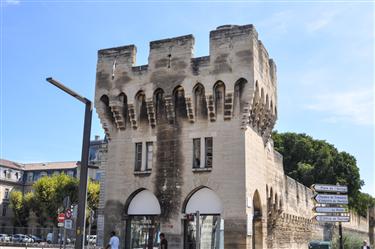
(82, 191)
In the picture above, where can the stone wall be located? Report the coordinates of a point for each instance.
(229, 96)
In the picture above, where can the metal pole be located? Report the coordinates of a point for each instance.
(340, 236)
(64, 244)
(197, 232)
(59, 240)
(82, 192)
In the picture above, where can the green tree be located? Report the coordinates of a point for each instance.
(20, 205)
(93, 190)
(315, 161)
(49, 193)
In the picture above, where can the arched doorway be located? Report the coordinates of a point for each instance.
(257, 222)
(142, 226)
(207, 229)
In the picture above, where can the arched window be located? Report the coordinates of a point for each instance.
(141, 109)
(200, 103)
(239, 94)
(104, 102)
(124, 99)
(179, 103)
(159, 104)
(219, 96)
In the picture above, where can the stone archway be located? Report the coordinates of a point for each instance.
(142, 226)
(211, 225)
(257, 222)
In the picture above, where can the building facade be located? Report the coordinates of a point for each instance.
(11, 175)
(189, 143)
(21, 176)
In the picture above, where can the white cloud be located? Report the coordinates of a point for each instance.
(356, 106)
(322, 21)
(13, 2)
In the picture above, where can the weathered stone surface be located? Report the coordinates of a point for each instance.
(236, 106)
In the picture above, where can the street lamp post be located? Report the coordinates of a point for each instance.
(82, 191)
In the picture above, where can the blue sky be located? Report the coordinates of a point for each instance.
(324, 54)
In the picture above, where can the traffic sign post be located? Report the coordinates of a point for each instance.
(329, 188)
(329, 218)
(61, 217)
(331, 210)
(329, 199)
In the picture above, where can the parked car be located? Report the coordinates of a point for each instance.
(91, 239)
(21, 238)
(49, 239)
(4, 237)
(36, 238)
(317, 244)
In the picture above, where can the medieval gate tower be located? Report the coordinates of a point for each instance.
(192, 134)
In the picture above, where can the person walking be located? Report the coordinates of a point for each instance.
(114, 241)
(365, 245)
(163, 241)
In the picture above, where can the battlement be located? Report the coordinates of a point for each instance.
(237, 80)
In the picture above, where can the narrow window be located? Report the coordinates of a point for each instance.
(138, 156)
(149, 154)
(196, 153)
(70, 173)
(208, 151)
(6, 194)
(4, 210)
(30, 176)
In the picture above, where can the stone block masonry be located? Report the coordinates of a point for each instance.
(185, 130)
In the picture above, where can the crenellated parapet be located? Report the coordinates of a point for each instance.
(235, 83)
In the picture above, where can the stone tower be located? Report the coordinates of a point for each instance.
(189, 134)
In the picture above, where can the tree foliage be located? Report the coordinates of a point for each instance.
(47, 196)
(312, 161)
(20, 205)
(49, 193)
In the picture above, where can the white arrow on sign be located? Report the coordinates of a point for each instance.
(331, 209)
(327, 218)
(330, 188)
(331, 199)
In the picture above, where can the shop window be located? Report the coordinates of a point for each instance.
(138, 156)
(144, 232)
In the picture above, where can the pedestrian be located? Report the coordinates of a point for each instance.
(163, 241)
(114, 241)
(365, 245)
